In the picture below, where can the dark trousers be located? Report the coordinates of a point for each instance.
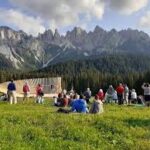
(120, 99)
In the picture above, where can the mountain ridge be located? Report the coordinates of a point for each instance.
(28, 52)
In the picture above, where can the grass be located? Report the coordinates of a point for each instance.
(32, 126)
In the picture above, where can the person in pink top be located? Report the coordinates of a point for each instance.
(39, 94)
(26, 91)
(101, 95)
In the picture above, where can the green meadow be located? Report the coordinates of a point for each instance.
(31, 126)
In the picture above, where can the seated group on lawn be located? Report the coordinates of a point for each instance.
(121, 95)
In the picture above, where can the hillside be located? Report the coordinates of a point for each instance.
(116, 63)
(36, 127)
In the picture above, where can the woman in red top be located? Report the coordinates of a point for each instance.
(26, 91)
(120, 91)
(101, 94)
(39, 93)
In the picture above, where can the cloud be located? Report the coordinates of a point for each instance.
(21, 21)
(127, 7)
(145, 20)
(58, 13)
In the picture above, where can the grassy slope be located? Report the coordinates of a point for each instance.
(32, 126)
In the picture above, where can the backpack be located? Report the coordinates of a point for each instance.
(25, 89)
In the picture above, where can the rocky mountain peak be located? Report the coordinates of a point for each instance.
(7, 33)
(47, 36)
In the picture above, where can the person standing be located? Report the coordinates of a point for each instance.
(12, 92)
(120, 91)
(87, 95)
(126, 94)
(26, 91)
(146, 88)
(109, 94)
(39, 94)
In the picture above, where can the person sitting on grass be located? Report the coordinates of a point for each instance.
(97, 106)
(65, 101)
(80, 105)
(4, 97)
(75, 97)
(133, 96)
(101, 94)
(109, 94)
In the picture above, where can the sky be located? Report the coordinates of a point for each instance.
(36, 16)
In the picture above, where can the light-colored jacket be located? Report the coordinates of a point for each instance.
(146, 90)
(97, 107)
(133, 95)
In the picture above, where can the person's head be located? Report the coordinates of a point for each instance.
(59, 95)
(88, 89)
(11, 80)
(101, 90)
(96, 97)
(146, 85)
(39, 84)
(125, 85)
(133, 90)
(110, 86)
(26, 83)
(81, 97)
(120, 84)
(65, 96)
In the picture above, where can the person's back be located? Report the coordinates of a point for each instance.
(65, 101)
(133, 95)
(26, 88)
(11, 86)
(79, 105)
(12, 92)
(97, 106)
(101, 94)
(26, 91)
(120, 89)
(39, 90)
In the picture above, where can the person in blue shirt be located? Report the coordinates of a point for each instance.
(12, 92)
(79, 105)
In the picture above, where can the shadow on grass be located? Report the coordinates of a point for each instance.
(138, 122)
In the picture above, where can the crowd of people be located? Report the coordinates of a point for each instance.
(80, 103)
(11, 93)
